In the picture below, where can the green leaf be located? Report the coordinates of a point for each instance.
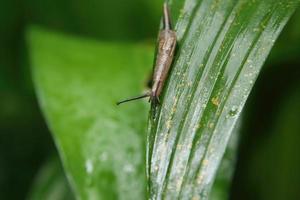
(51, 183)
(287, 46)
(221, 186)
(78, 83)
(222, 47)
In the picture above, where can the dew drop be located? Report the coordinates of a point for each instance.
(233, 111)
(89, 166)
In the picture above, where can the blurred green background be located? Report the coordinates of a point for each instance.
(268, 159)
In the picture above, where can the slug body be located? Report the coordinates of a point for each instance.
(165, 53)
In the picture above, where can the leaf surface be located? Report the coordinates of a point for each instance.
(222, 47)
(78, 82)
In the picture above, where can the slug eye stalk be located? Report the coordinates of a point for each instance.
(134, 98)
(165, 54)
(166, 18)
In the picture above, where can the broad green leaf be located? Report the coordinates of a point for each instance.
(51, 183)
(222, 47)
(78, 82)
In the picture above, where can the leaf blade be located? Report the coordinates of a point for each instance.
(78, 82)
(222, 46)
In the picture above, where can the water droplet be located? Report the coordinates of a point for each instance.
(89, 166)
(233, 111)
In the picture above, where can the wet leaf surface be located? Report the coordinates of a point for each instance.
(78, 82)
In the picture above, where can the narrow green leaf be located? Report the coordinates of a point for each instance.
(221, 186)
(78, 83)
(287, 46)
(222, 47)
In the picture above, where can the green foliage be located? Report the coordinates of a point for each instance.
(102, 146)
(287, 46)
(221, 186)
(222, 47)
(78, 82)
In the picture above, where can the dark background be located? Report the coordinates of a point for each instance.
(268, 158)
